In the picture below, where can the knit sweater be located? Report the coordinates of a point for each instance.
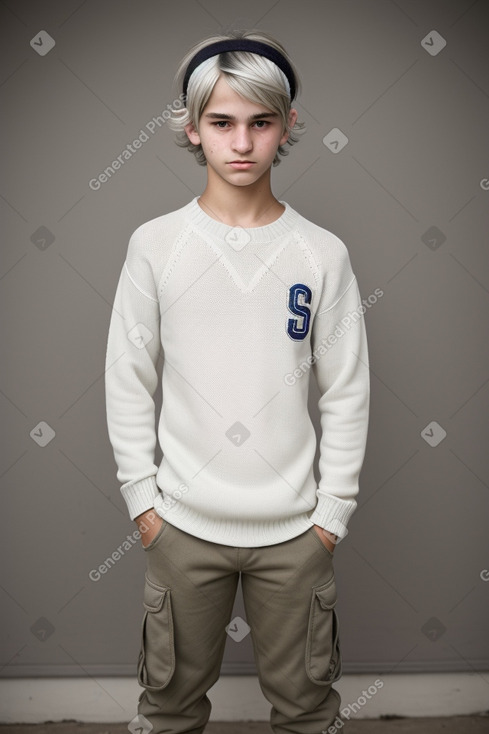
(241, 316)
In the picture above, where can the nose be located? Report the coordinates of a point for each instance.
(242, 139)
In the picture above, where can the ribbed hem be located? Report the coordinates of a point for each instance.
(235, 533)
(268, 233)
(140, 496)
(333, 514)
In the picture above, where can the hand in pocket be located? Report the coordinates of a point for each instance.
(328, 542)
(149, 525)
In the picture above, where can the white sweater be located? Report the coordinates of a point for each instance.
(241, 317)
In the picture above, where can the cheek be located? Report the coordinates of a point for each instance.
(211, 146)
(272, 140)
(267, 147)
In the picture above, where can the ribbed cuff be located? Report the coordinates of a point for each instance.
(333, 514)
(140, 496)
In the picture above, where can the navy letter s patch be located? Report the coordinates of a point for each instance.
(299, 296)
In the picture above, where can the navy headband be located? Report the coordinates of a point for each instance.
(241, 44)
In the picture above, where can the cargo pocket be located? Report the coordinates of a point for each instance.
(156, 662)
(323, 654)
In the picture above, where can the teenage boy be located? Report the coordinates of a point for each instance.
(244, 297)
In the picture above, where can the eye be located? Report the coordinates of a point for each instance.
(222, 123)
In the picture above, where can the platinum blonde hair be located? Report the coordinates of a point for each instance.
(250, 75)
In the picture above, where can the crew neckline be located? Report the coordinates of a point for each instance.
(266, 233)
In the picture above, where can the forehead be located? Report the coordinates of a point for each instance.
(224, 99)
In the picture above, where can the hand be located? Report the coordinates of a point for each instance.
(329, 540)
(149, 524)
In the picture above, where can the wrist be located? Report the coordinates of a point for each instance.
(146, 520)
(331, 536)
(328, 539)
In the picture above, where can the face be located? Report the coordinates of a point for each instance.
(232, 129)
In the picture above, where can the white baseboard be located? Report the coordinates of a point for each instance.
(234, 698)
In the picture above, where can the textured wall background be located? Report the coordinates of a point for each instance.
(406, 84)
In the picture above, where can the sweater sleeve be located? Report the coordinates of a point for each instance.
(131, 380)
(339, 346)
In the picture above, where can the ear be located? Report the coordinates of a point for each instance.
(292, 119)
(192, 133)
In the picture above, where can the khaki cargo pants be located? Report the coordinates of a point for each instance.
(289, 596)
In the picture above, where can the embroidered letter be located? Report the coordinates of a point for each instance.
(299, 296)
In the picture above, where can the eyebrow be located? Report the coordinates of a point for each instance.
(222, 116)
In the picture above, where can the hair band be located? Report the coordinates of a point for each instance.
(241, 44)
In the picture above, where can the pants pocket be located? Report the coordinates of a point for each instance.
(323, 654)
(156, 662)
(156, 539)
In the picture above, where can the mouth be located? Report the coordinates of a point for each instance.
(241, 164)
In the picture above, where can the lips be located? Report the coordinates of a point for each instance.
(241, 165)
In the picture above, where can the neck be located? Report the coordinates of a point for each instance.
(240, 206)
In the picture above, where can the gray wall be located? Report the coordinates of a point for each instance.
(408, 195)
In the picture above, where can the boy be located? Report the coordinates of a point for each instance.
(243, 295)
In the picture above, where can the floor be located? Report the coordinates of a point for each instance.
(453, 725)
